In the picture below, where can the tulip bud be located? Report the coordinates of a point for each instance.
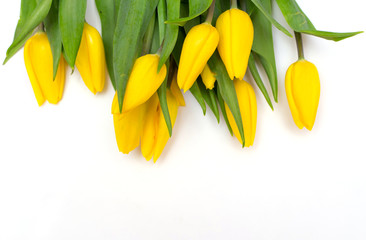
(198, 47)
(143, 81)
(236, 38)
(177, 92)
(128, 126)
(303, 91)
(90, 60)
(208, 77)
(155, 133)
(248, 111)
(39, 64)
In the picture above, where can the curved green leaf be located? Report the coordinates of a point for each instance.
(163, 100)
(196, 8)
(171, 34)
(299, 22)
(133, 18)
(196, 92)
(263, 46)
(71, 17)
(227, 90)
(32, 13)
(261, 7)
(258, 80)
(162, 17)
(54, 35)
(223, 110)
(107, 13)
(209, 96)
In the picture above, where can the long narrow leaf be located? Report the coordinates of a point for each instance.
(227, 90)
(54, 35)
(209, 99)
(223, 110)
(107, 14)
(71, 17)
(196, 8)
(299, 22)
(32, 13)
(163, 100)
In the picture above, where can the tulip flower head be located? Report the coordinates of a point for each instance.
(143, 81)
(248, 110)
(39, 64)
(199, 45)
(128, 126)
(236, 39)
(90, 60)
(303, 92)
(155, 133)
(208, 77)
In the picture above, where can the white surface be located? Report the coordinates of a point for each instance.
(62, 177)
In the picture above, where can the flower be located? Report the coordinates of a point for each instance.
(208, 77)
(143, 81)
(248, 111)
(90, 60)
(303, 91)
(39, 64)
(236, 38)
(199, 45)
(155, 132)
(128, 126)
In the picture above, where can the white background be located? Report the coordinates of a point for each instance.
(62, 177)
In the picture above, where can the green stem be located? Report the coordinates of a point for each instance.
(300, 46)
(210, 13)
(234, 4)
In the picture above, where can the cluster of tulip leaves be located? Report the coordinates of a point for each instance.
(131, 28)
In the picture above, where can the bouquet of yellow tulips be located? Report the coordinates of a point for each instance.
(154, 48)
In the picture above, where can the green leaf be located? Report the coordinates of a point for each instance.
(263, 46)
(171, 34)
(151, 37)
(54, 35)
(196, 92)
(133, 19)
(163, 101)
(262, 8)
(299, 22)
(107, 13)
(223, 110)
(196, 8)
(258, 80)
(209, 96)
(162, 17)
(71, 17)
(32, 13)
(227, 90)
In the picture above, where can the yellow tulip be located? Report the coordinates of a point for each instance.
(90, 60)
(198, 47)
(208, 77)
(303, 91)
(177, 92)
(128, 126)
(39, 64)
(155, 133)
(143, 81)
(248, 110)
(236, 38)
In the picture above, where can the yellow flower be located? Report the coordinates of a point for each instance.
(143, 81)
(155, 133)
(90, 60)
(248, 111)
(198, 47)
(208, 77)
(128, 126)
(236, 38)
(177, 92)
(303, 92)
(39, 64)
